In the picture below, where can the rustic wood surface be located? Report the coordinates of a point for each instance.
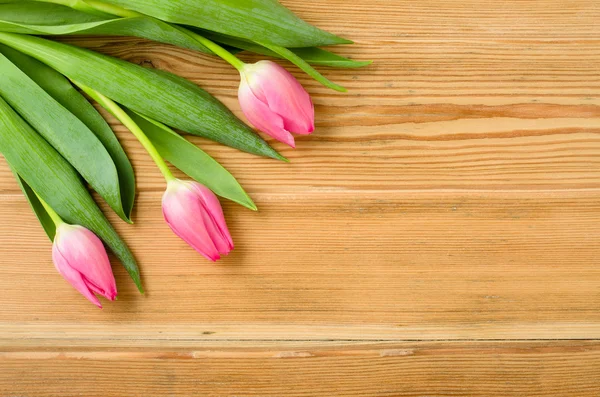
(437, 235)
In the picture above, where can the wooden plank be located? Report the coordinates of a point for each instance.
(458, 264)
(119, 334)
(407, 369)
(488, 153)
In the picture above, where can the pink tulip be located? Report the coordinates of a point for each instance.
(81, 259)
(194, 213)
(275, 102)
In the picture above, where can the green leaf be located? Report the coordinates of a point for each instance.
(255, 20)
(61, 90)
(312, 55)
(32, 17)
(37, 207)
(38, 13)
(64, 131)
(159, 95)
(320, 57)
(57, 183)
(193, 161)
(81, 5)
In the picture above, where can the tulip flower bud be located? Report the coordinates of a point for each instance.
(81, 259)
(194, 213)
(275, 102)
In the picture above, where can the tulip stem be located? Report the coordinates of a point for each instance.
(131, 125)
(53, 215)
(214, 47)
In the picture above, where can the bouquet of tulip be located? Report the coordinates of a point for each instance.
(54, 139)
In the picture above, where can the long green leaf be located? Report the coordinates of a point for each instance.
(37, 207)
(159, 95)
(256, 20)
(37, 13)
(193, 161)
(57, 183)
(312, 55)
(33, 17)
(321, 57)
(80, 5)
(63, 130)
(61, 90)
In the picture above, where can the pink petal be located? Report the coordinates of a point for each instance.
(262, 117)
(86, 254)
(183, 211)
(73, 277)
(215, 219)
(215, 234)
(284, 95)
(111, 295)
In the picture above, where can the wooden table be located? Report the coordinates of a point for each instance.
(437, 235)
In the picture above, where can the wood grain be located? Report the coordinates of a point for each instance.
(410, 369)
(438, 235)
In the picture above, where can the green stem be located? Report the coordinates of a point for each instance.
(131, 125)
(214, 47)
(53, 215)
